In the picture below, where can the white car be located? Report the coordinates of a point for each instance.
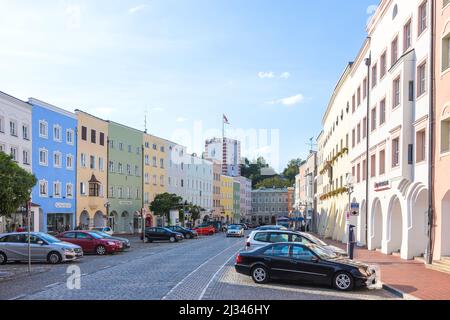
(235, 230)
(260, 238)
(106, 230)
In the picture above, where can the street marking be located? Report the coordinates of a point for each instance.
(53, 285)
(195, 270)
(215, 275)
(18, 297)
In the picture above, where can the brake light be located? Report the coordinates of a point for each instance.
(238, 259)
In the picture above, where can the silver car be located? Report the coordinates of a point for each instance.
(44, 248)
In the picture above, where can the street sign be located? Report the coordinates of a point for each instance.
(354, 209)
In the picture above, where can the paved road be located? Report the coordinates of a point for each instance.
(194, 270)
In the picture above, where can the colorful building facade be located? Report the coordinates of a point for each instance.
(226, 201)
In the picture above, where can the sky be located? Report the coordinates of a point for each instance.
(269, 65)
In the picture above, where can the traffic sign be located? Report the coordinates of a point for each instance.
(354, 209)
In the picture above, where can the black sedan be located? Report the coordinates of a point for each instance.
(187, 233)
(303, 262)
(161, 234)
(125, 242)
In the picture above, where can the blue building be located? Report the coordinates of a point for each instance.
(54, 165)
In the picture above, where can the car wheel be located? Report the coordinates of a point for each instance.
(149, 240)
(3, 258)
(54, 258)
(172, 239)
(260, 274)
(100, 250)
(343, 281)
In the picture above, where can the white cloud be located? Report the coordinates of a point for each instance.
(266, 75)
(137, 9)
(181, 119)
(73, 17)
(289, 101)
(285, 75)
(157, 109)
(103, 112)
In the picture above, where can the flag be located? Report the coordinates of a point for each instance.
(225, 120)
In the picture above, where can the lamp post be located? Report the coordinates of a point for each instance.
(349, 191)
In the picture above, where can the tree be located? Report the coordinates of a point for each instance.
(252, 170)
(292, 170)
(274, 182)
(15, 185)
(163, 203)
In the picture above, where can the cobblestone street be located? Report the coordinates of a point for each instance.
(191, 270)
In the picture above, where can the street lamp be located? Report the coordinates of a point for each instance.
(350, 188)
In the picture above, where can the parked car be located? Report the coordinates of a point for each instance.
(187, 233)
(161, 234)
(277, 227)
(107, 230)
(125, 242)
(205, 230)
(91, 242)
(251, 225)
(44, 247)
(259, 238)
(303, 262)
(235, 230)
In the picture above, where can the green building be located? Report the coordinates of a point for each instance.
(237, 202)
(124, 178)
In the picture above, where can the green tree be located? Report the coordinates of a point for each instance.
(274, 182)
(15, 185)
(292, 170)
(252, 170)
(163, 203)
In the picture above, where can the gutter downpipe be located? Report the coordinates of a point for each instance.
(368, 64)
(431, 139)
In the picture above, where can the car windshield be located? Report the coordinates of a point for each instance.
(105, 235)
(95, 235)
(321, 252)
(48, 238)
(234, 227)
(315, 240)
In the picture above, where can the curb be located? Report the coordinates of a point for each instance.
(398, 292)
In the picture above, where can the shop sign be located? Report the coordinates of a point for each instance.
(383, 185)
(63, 205)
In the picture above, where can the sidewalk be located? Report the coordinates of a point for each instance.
(407, 276)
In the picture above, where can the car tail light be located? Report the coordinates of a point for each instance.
(238, 259)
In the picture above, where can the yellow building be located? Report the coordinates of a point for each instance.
(226, 201)
(155, 172)
(92, 166)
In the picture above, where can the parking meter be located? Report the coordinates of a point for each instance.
(351, 241)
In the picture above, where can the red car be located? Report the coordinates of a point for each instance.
(204, 230)
(91, 242)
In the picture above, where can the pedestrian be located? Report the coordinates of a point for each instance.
(67, 228)
(20, 229)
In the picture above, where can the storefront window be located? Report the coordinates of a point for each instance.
(57, 222)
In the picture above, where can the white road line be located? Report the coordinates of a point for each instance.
(215, 275)
(53, 284)
(18, 297)
(195, 270)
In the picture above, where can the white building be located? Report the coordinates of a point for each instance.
(199, 180)
(246, 198)
(15, 139)
(176, 170)
(226, 150)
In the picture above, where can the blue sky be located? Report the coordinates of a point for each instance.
(266, 64)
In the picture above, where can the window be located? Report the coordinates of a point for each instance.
(136, 171)
(83, 160)
(138, 150)
(2, 124)
(102, 139)
(25, 132)
(154, 162)
(43, 188)
(364, 88)
(82, 188)
(421, 79)
(26, 157)
(92, 162)
(84, 133)
(364, 133)
(446, 53)
(161, 162)
(382, 164)
(57, 159)
(120, 146)
(111, 144)
(396, 93)
(57, 189)
(358, 96)
(14, 154)
(57, 135)
(383, 65)
(111, 166)
(43, 157)
(374, 75)
(421, 146)
(364, 169)
(301, 253)
(394, 51)
(154, 147)
(353, 103)
(407, 36)
(147, 160)
(43, 129)
(69, 136)
(69, 162)
(94, 189)
(129, 148)
(93, 136)
(374, 119)
(358, 173)
(101, 164)
(395, 152)
(445, 135)
(13, 128)
(358, 133)
(120, 168)
(353, 138)
(278, 237)
(382, 111)
(147, 178)
(373, 165)
(162, 149)
(422, 18)
(128, 169)
(111, 192)
(69, 191)
(161, 181)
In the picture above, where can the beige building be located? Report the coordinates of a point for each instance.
(218, 213)
(92, 172)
